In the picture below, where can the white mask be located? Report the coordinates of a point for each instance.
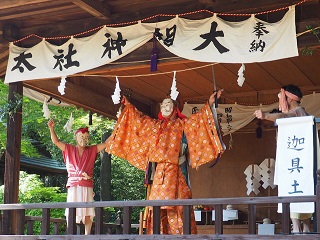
(82, 139)
(166, 107)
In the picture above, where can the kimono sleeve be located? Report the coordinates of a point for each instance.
(202, 136)
(131, 137)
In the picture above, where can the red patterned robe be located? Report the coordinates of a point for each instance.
(140, 139)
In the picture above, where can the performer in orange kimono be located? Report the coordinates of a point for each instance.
(170, 142)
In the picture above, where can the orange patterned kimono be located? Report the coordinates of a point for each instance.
(140, 139)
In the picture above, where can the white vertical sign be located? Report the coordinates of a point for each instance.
(294, 161)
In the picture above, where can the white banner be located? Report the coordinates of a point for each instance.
(294, 161)
(207, 40)
(235, 116)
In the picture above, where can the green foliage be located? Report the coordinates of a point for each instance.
(307, 51)
(9, 108)
(127, 183)
(32, 190)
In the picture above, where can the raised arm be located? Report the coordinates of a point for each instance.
(54, 137)
(212, 97)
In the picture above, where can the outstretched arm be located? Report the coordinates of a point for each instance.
(271, 116)
(102, 146)
(54, 137)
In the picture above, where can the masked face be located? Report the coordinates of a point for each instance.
(82, 139)
(166, 107)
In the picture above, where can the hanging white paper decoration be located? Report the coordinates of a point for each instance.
(174, 93)
(68, 126)
(267, 172)
(253, 178)
(116, 95)
(241, 77)
(45, 109)
(62, 85)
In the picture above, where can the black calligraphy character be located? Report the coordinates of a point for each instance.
(71, 52)
(158, 34)
(170, 34)
(112, 44)
(228, 110)
(194, 110)
(295, 188)
(229, 118)
(295, 163)
(211, 37)
(59, 59)
(22, 59)
(256, 45)
(220, 115)
(260, 29)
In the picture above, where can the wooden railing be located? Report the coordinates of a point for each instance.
(250, 202)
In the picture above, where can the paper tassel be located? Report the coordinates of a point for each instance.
(68, 126)
(45, 109)
(116, 95)
(154, 57)
(62, 85)
(241, 77)
(174, 93)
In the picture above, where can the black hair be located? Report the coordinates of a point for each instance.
(294, 90)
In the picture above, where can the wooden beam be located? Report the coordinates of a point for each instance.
(6, 4)
(90, 100)
(249, 6)
(59, 6)
(98, 9)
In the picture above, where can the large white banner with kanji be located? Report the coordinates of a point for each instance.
(208, 40)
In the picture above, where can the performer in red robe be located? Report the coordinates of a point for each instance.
(79, 162)
(142, 140)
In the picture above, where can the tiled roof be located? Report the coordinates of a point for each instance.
(42, 164)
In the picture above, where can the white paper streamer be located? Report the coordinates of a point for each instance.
(174, 93)
(45, 109)
(62, 85)
(241, 77)
(267, 172)
(116, 95)
(68, 126)
(253, 178)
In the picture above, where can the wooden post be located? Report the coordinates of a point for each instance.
(286, 229)
(126, 220)
(98, 222)
(252, 212)
(12, 162)
(21, 221)
(218, 216)
(45, 223)
(105, 177)
(156, 219)
(186, 220)
(71, 222)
